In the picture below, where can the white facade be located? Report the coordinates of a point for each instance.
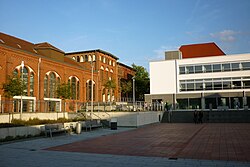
(162, 77)
(207, 82)
(165, 76)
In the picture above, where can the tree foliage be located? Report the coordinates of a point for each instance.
(64, 91)
(13, 87)
(141, 82)
(126, 87)
(110, 84)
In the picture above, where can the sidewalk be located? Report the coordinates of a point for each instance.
(153, 145)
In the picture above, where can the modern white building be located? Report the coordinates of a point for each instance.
(201, 79)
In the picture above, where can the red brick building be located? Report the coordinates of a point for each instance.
(46, 66)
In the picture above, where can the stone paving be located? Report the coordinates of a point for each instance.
(183, 142)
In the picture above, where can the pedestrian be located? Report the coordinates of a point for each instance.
(166, 106)
(200, 115)
(195, 117)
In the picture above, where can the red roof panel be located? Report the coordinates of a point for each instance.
(200, 50)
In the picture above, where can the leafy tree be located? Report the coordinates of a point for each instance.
(13, 87)
(64, 91)
(126, 87)
(110, 85)
(141, 82)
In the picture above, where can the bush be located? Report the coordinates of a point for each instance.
(37, 121)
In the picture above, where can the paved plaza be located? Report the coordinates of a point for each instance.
(152, 145)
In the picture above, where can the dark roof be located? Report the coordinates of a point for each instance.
(201, 50)
(121, 64)
(24, 45)
(95, 50)
(46, 45)
(16, 43)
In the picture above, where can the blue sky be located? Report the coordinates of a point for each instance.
(136, 31)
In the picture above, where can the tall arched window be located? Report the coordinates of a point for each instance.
(52, 85)
(31, 84)
(88, 90)
(27, 74)
(75, 87)
(51, 80)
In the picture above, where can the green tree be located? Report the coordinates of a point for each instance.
(110, 85)
(141, 82)
(126, 87)
(13, 87)
(64, 92)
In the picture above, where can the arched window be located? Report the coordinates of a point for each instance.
(78, 59)
(51, 80)
(90, 58)
(52, 85)
(45, 86)
(74, 58)
(88, 90)
(93, 58)
(31, 84)
(81, 59)
(27, 74)
(75, 87)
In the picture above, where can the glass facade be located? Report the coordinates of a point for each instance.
(218, 67)
(215, 84)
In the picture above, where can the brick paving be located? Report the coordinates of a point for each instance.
(222, 141)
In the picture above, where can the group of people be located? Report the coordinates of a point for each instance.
(198, 116)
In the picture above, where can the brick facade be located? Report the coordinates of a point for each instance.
(45, 58)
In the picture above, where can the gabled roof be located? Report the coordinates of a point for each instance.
(16, 43)
(124, 65)
(200, 50)
(95, 50)
(46, 45)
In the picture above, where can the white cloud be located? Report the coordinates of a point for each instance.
(225, 35)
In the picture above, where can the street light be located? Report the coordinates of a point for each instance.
(133, 78)
(21, 109)
(92, 90)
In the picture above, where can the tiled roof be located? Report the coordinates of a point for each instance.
(46, 45)
(16, 43)
(200, 50)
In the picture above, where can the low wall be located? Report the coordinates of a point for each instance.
(127, 119)
(233, 116)
(21, 131)
(7, 118)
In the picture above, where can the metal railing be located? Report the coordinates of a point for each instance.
(14, 106)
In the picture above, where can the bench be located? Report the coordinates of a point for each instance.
(89, 124)
(54, 128)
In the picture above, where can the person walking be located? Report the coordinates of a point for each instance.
(200, 116)
(195, 117)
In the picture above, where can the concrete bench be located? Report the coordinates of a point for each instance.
(89, 124)
(54, 128)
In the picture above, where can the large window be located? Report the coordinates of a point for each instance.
(88, 90)
(215, 84)
(208, 68)
(51, 80)
(75, 87)
(27, 74)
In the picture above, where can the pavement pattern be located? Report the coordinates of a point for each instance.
(152, 145)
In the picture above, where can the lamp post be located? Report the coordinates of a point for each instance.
(133, 78)
(21, 108)
(92, 90)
